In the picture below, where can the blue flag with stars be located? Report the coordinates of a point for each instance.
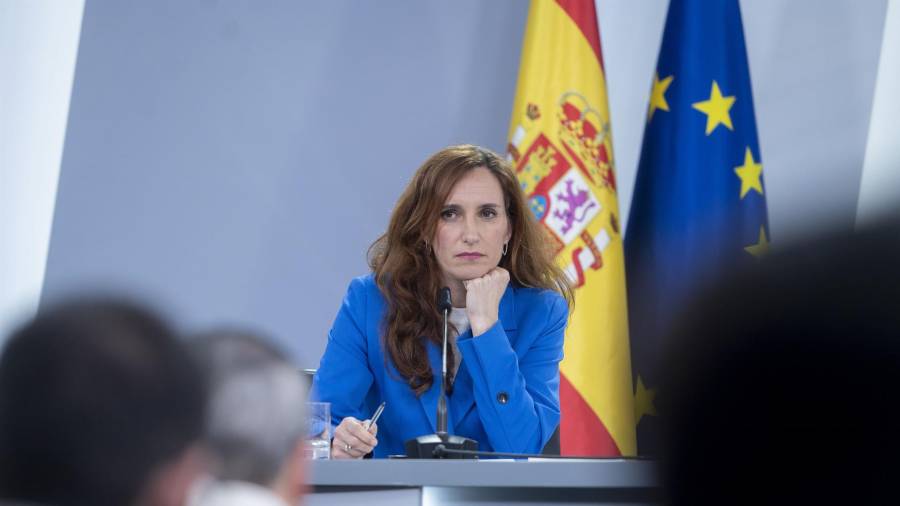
(699, 205)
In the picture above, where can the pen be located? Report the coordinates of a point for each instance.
(376, 415)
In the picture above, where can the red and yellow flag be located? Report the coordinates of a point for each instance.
(561, 143)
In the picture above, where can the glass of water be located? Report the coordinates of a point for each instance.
(318, 431)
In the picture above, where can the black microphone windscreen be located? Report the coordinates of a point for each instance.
(444, 302)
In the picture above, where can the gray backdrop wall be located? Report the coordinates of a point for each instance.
(232, 160)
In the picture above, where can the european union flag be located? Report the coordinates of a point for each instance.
(699, 206)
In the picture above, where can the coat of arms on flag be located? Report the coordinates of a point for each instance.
(567, 179)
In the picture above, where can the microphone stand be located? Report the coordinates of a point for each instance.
(426, 447)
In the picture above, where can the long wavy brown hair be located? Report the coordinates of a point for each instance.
(407, 272)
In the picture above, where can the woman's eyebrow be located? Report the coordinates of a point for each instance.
(480, 206)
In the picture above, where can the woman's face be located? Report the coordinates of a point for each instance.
(472, 228)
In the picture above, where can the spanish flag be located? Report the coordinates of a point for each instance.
(561, 145)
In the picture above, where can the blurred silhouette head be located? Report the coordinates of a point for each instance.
(780, 384)
(99, 404)
(256, 408)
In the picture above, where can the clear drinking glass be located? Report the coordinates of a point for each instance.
(318, 431)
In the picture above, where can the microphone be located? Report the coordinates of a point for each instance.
(445, 300)
(445, 304)
(424, 447)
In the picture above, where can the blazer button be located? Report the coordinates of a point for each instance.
(502, 397)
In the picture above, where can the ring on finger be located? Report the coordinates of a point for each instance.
(347, 447)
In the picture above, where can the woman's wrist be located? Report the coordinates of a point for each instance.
(480, 326)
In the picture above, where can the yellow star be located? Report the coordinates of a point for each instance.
(658, 95)
(761, 248)
(716, 109)
(750, 174)
(643, 401)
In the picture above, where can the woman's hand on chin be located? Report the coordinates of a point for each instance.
(483, 299)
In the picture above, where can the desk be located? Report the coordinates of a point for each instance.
(483, 482)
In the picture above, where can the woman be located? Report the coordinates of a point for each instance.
(462, 223)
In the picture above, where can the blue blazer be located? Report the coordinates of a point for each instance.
(506, 391)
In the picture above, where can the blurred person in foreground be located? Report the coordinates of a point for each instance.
(100, 404)
(255, 428)
(781, 383)
(462, 222)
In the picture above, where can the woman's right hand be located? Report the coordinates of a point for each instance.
(352, 440)
(483, 299)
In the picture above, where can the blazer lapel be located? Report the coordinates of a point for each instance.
(507, 310)
(464, 400)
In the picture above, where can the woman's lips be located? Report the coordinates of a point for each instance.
(469, 256)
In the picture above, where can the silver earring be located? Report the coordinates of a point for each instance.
(505, 248)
